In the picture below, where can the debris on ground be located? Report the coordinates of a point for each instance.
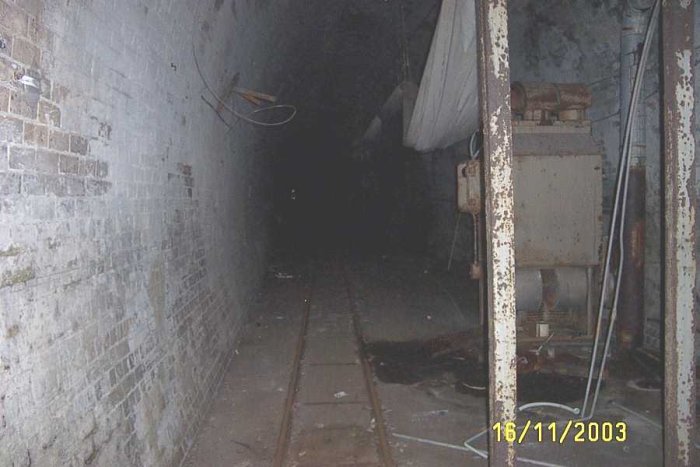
(283, 275)
(278, 272)
(458, 360)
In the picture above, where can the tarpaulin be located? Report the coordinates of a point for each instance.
(446, 110)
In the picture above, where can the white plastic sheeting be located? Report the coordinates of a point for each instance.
(447, 107)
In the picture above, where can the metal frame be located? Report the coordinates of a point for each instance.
(679, 225)
(679, 231)
(494, 78)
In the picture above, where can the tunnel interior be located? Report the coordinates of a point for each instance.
(332, 190)
(227, 238)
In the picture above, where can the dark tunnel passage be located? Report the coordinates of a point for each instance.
(332, 189)
(272, 233)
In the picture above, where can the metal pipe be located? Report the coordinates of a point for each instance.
(531, 405)
(619, 205)
(631, 309)
(679, 231)
(632, 284)
(634, 18)
(494, 79)
(590, 323)
(469, 448)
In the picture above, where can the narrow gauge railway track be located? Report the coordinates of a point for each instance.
(379, 431)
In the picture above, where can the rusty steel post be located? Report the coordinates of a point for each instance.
(679, 231)
(494, 77)
(631, 307)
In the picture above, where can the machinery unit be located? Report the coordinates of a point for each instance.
(558, 208)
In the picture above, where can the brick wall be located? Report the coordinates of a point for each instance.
(132, 220)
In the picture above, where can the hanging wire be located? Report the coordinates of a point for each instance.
(406, 62)
(218, 114)
(245, 117)
(473, 150)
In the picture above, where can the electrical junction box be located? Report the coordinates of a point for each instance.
(469, 187)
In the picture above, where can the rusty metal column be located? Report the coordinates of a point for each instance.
(679, 231)
(494, 78)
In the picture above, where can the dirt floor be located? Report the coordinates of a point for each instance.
(381, 362)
